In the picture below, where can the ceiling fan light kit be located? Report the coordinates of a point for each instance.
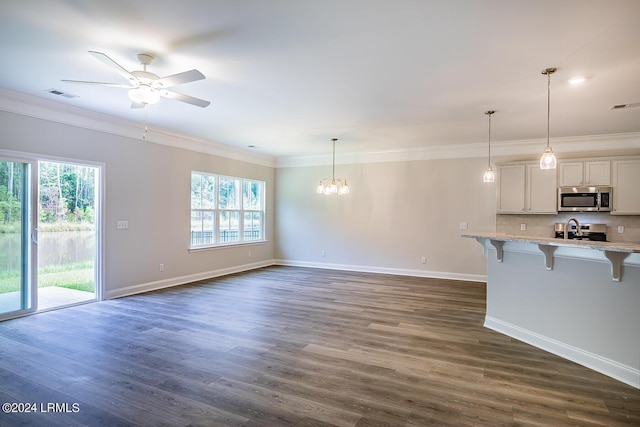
(144, 95)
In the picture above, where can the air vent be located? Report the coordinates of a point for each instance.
(621, 106)
(61, 93)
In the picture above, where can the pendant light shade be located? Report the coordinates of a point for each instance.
(548, 159)
(489, 176)
(332, 186)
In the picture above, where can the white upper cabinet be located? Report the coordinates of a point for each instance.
(626, 187)
(597, 173)
(579, 173)
(570, 173)
(541, 190)
(511, 189)
(524, 188)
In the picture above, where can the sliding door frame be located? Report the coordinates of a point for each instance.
(28, 236)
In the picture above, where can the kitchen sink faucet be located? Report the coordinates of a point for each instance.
(566, 227)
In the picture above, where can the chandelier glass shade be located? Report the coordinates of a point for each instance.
(333, 186)
(489, 176)
(548, 159)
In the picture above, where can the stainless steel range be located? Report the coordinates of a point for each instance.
(595, 232)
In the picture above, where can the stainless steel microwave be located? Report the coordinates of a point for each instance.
(584, 199)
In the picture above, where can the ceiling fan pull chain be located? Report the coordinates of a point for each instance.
(146, 128)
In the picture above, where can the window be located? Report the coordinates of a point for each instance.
(225, 210)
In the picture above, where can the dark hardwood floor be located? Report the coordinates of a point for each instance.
(285, 346)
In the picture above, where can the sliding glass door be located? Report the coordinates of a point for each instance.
(50, 234)
(17, 238)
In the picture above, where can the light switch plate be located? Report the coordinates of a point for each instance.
(463, 226)
(123, 225)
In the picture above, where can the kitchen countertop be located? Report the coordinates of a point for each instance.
(552, 241)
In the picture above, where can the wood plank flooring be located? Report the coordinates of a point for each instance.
(285, 346)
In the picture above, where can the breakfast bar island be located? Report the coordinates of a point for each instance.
(577, 299)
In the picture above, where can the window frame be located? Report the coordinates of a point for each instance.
(216, 211)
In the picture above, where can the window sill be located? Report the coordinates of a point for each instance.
(225, 245)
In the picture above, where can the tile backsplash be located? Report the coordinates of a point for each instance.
(543, 225)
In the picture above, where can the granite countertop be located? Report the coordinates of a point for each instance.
(552, 241)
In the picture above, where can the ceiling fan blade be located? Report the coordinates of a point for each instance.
(82, 82)
(178, 79)
(185, 98)
(114, 66)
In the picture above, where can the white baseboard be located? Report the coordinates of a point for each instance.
(175, 281)
(384, 270)
(611, 368)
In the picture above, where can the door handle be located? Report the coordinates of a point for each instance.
(34, 236)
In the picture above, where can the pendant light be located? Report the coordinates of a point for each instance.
(489, 176)
(334, 185)
(548, 159)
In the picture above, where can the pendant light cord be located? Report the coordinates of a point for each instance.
(489, 113)
(548, 104)
(333, 171)
(489, 159)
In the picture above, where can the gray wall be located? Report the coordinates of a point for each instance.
(397, 213)
(148, 185)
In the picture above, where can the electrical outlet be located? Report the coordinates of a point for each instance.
(621, 229)
(322, 253)
(523, 227)
(122, 225)
(161, 268)
(463, 226)
(249, 254)
(423, 260)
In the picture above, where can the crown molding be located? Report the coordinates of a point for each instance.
(32, 106)
(45, 109)
(531, 147)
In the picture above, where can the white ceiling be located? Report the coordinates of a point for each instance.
(288, 75)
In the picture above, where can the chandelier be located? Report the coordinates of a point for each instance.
(548, 159)
(489, 176)
(333, 185)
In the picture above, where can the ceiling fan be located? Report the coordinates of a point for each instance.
(145, 87)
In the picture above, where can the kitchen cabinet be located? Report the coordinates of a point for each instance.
(626, 190)
(511, 188)
(583, 173)
(524, 188)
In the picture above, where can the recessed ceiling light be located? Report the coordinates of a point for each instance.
(577, 80)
